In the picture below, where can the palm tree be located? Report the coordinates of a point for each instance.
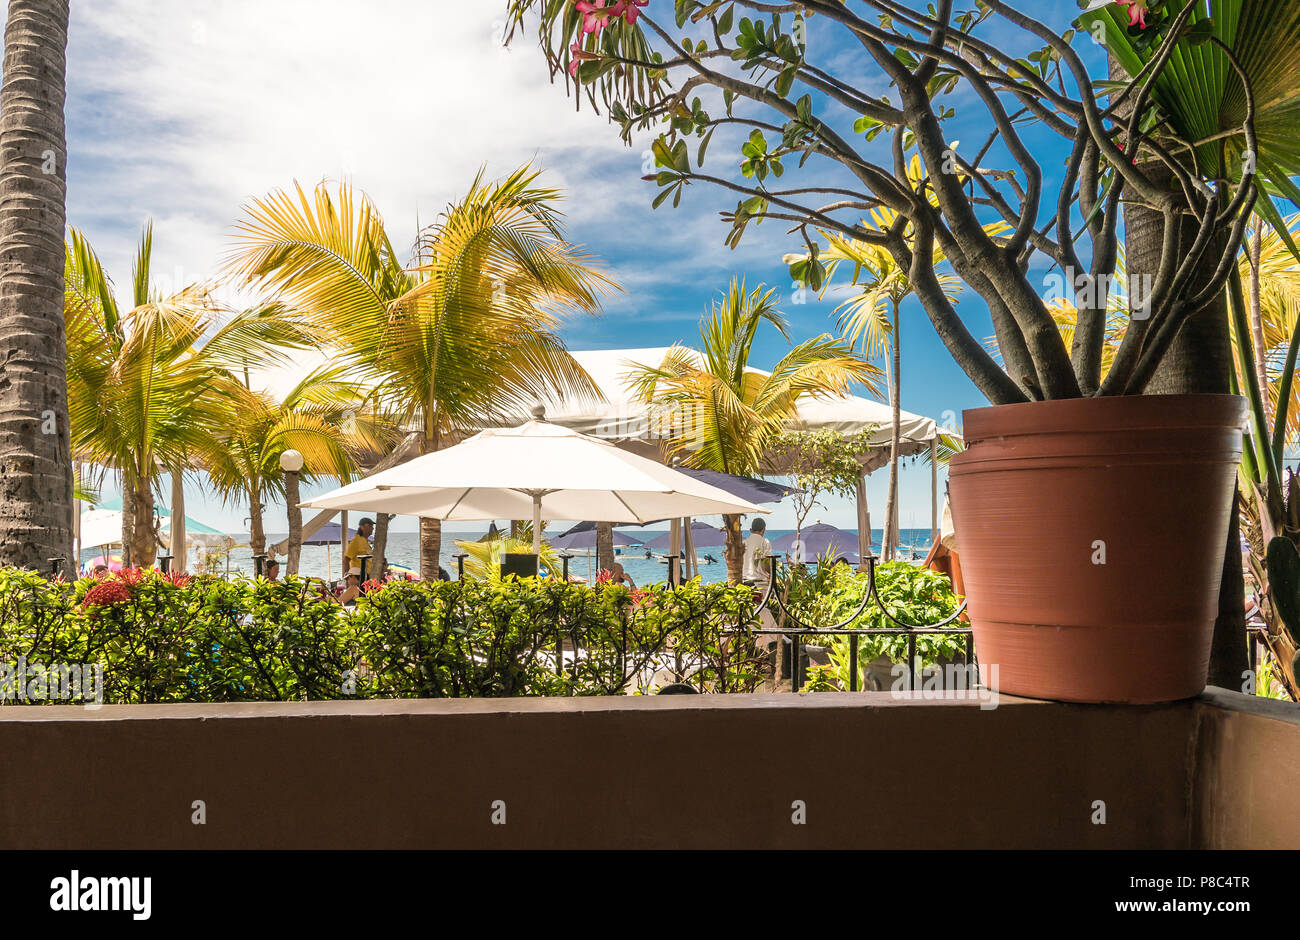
(461, 337)
(36, 479)
(244, 460)
(148, 385)
(727, 414)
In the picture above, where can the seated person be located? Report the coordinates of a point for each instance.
(272, 570)
(353, 589)
(618, 576)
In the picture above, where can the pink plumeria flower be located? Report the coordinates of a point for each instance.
(595, 15)
(628, 9)
(1137, 12)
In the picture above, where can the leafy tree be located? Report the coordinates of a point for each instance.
(874, 316)
(687, 69)
(822, 463)
(750, 65)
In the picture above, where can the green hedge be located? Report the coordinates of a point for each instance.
(206, 639)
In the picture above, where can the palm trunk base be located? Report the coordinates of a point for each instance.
(430, 548)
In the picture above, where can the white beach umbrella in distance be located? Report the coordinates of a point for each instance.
(539, 470)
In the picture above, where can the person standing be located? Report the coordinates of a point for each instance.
(757, 549)
(358, 546)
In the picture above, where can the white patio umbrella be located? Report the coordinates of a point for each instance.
(539, 470)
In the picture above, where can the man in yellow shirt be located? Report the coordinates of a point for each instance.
(360, 545)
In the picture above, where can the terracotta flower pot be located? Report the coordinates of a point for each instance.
(1091, 534)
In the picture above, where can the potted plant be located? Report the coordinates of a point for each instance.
(1093, 504)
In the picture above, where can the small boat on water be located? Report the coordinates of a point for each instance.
(699, 559)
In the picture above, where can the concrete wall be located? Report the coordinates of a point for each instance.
(1247, 773)
(653, 772)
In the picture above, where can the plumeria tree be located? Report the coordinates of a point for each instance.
(820, 105)
(684, 69)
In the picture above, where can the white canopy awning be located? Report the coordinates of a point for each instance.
(625, 419)
(632, 424)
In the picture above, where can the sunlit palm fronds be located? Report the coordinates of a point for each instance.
(462, 335)
(150, 385)
(726, 413)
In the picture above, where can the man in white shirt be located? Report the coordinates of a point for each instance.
(757, 549)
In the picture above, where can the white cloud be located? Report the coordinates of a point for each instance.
(184, 110)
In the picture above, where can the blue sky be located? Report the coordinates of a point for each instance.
(181, 112)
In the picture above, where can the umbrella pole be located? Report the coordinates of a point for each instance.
(688, 539)
(864, 523)
(537, 527)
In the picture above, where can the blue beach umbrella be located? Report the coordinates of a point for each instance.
(817, 541)
(586, 538)
(703, 535)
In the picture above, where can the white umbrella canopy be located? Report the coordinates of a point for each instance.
(101, 527)
(539, 470)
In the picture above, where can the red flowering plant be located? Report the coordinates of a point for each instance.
(107, 592)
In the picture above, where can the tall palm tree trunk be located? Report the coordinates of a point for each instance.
(128, 517)
(176, 540)
(430, 548)
(890, 536)
(35, 455)
(379, 545)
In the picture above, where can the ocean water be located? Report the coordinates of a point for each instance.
(404, 549)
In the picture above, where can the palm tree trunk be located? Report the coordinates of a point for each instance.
(735, 548)
(128, 517)
(292, 498)
(890, 538)
(256, 530)
(430, 548)
(430, 529)
(605, 546)
(144, 541)
(176, 539)
(36, 474)
(379, 545)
